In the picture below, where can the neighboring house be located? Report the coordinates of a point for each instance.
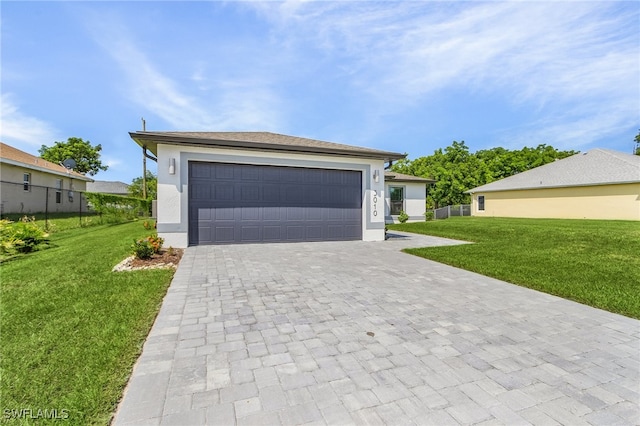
(250, 187)
(33, 185)
(405, 193)
(108, 187)
(598, 184)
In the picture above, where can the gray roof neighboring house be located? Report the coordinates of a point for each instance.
(399, 177)
(258, 141)
(108, 187)
(595, 167)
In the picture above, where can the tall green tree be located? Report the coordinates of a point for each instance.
(637, 147)
(135, 189)
(457, 170)
(86, 156)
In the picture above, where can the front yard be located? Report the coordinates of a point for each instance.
(590, 261)
(71, 328)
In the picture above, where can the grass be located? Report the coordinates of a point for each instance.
(57, 222)
(71, 328)
(594, 262)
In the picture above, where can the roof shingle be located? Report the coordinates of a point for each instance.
(11, 155)
(595, 167)
(257, 140)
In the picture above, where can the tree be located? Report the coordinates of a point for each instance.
(457, 170)
(135, 189)
(87, 157)
(636, 150)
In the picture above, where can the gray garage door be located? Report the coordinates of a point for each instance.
(239, 203)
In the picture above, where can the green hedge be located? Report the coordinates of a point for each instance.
(117, 207)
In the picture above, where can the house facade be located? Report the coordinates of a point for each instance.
(598, 184)
(253, 187)
(33, 185)
(405, 193)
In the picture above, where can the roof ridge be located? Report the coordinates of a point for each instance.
(625, 157)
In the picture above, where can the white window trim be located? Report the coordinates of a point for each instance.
(404, 198)
(26, 182)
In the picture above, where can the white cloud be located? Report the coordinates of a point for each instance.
(19, 128)
(198, 102)
(574, 66)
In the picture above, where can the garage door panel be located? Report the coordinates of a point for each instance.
(223, 234)
(251, 203)
(295, 213)
(271, 213)
(251, 234)
(295, 233)
(272, 233)
(250, 213)
(223, 191)
(250, 193)
(225, 172)
(200, 192)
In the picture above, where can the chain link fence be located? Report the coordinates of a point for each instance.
(26, 199)
(449, 211)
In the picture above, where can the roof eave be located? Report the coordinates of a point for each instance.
(479, 189)
(151, 142)
(45, 170)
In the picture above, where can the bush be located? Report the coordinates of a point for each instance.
(23, 236)
(156, 242)
(142, 249)
(403, 217)
(147, 247)
(428, 215)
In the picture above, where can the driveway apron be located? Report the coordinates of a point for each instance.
(361, 333)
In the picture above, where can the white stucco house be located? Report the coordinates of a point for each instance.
(405, 193)
(33, 185)
(252, 187)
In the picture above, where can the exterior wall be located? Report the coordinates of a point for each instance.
(621, 202)
(173, 189)
(414, 201)
(14, 199)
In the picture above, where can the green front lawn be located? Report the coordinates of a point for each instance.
(594, 262)
(71, 328)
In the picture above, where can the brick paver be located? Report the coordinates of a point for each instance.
(358, 332)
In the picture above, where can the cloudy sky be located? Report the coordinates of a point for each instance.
(401, 76)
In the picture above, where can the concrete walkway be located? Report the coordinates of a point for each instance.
(360, 333)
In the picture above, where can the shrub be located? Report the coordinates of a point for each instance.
(147, 247)
(428, 215)
(403, 217)
(142, 249)
(23, 236)
(156, 242)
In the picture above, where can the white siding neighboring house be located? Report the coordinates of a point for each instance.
(253, 187)
(597, 184)
(33, 185)
(405, 193)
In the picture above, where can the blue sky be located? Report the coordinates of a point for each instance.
(400, 76)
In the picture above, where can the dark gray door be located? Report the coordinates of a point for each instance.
(239, 203)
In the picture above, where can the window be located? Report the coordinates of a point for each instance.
(58, 191)
(481, 203)
(396, 196)
(26, 181)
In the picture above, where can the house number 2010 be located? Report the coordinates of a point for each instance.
(375, 204)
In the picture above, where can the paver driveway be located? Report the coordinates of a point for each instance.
(358, 332)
